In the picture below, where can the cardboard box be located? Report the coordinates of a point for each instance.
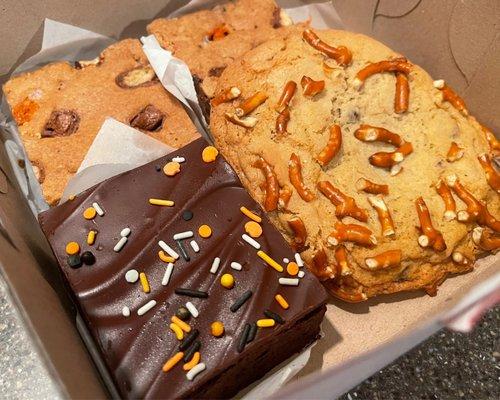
(455, 40)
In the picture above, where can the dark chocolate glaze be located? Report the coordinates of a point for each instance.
(135, 348)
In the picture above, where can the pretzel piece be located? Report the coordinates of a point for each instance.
(332, 146)
(450, 207)
(295, 176)
(430, 236)
(492, 175)
(282, 122)
(397, 65)
(388, 159)
(250, 104)
(320, 267)
(342, 261)
(226, 96)
(272, 185)
(354, 233)
(364, 185)
(387, 259)
(459, 258)
(343, 294)
(310, 87)
(402, 95)
(299, 233)
(370, 133)
(485, 239)
(247, 122)
(384, 215)
(493, 142)
(345, 206)
(454, 99)
(455, 152)
(341, 54)
(284, 197)
(286, 96)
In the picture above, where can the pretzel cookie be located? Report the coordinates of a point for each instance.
(376, 173)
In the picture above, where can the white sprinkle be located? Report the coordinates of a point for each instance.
(250, 241)
(183, 235)
(215, 265)
(438, 83)
(125, 232)
(126, 311)
(301, 274)
(168, 274)
(286, 260)
(98, 209)
(120, 244)
(192, 309)
(178, 159)
(146, 307)
(194, 246)
(195, 371)
(236, 266)
(131, 276)
(289, 281)
(167, 249)
(298, 260)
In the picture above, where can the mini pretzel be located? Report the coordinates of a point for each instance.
(295, 175)
(454, 99)
(345, 206)
(247, 123)
(226, 96)
(351, 233)
(398, 65)
(284, 196)
(250, 104)
(367, 186)
(299, 231)
(282, 122)
(492, 176)
(340, 54)
(272, 185)
(387, 259)
(310, 87)
(450, 206)
(384, 215)
(332, 147)
(370, 133)
(385, 159)
(286, 96)
(320, 266)
(342, 262)
(402, 95)
(485, 239)
(455, 152)
(430, 237)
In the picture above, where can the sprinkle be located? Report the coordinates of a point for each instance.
(91, 237)
(289, 281)
(194, 361)
(192, 350)
(252, 332)
(146, 307)
(243, 338)
(179, 334)
(282, 302)
(172, 168)
(191, 292)
(270, 261)
(131, 276)
(74, 261)
(301, 274)
(120, 244)
(266, 323)
(157, 168)
(126, 311)
(89, 213)
(236, 266)
(183, 235)
(292, 268)
(195, 371)
(250, 214)
(165, 258)
(250, 241)
(167, 274)
(125, 232)
(167, 249)
(217, 328)
(72, 248)
(187, 215)
(183, 325)
(183, 251)
(227, 280)
(72, 197)
(205, 231)
(240, 301)
(209, 154)
(98, 208)
(173, 361)
(194, 246)
(182, 313)
(144, 282)
(215, 265)
(192, 309)
(298, 260)
(190, 338)
(88, 258)
(253, 229)
(161, 202)
(286, 260)
(178, 159)
(271, 314)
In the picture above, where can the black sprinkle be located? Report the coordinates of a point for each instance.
(187, 215)
(74, 261)
(183, 313)
(273, 315)
(190, 352)
(191, 293)
(243, 338)
(183, 251)
(88, 258)
(252, 333)
(240, 301)
(191, 336)
(158, 168)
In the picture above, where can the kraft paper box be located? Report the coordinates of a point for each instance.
(455, 40)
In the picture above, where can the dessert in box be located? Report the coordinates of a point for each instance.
(376, 173)
(60, 108)
(185, 286)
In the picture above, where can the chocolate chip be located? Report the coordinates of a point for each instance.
(183, 313)
(187, 215)
(216, 71)
(74, 261)
(88, 258)
(203, 99)
(148, 119)
(136, 77)
(61, 123)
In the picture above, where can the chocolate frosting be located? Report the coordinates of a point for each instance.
(135, 348)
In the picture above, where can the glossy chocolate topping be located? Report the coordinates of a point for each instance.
(135, 348)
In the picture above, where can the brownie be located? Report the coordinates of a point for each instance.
(207, 198)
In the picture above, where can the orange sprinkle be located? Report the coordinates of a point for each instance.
(292, 268)
(165, 258)
(172, 361)
(282, 302)
(89, 213)
(183, 325)
(193, 362)
(253, 229)
(144, 282)
(172, 168)
(209, 154)
(72, 248)
(250, 214)
(205, 231)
